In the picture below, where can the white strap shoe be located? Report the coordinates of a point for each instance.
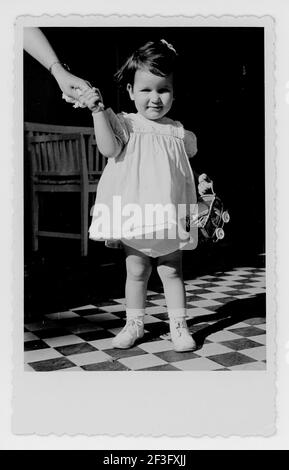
(133, 330)
(181, 337)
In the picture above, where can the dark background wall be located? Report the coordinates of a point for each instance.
(221, 98)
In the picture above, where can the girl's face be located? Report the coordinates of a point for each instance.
(153, 95)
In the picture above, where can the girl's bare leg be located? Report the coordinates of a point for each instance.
(170, 271)
(139, 269)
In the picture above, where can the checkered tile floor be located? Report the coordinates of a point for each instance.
(226, 315)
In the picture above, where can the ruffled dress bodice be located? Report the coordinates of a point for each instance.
(151, 171)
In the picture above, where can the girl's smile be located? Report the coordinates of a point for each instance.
(153, 95)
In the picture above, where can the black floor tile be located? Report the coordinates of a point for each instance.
(73, 322)
(88, 311)
(239, 344)
(167, 367)
(121, 353)
(78, 348)
(231, 359)
(94, 335)
(51, 333)
(150, 304)
(161, 316)
(110, 324)
(191, 295)
(51, 364)
(153, 297)
(173, 356)
(35, 344)
(249, 331)
(255, 321)
(107, 365)
(158, 328)
(120, 314)
(106, 303)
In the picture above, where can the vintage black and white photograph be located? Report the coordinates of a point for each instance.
(144, 198)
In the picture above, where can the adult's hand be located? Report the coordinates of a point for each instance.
(68, 83)
(38, 46)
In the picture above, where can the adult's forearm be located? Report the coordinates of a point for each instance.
(36, 44)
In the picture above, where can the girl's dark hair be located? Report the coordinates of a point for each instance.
(157, 57)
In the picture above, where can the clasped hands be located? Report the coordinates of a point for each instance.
(92, 99)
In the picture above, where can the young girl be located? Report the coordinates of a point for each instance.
(147, 165)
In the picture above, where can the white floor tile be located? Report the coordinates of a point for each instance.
(156, 346)
(208, 277)
(227, 283)
(105, 343)
(142, 362)
(196, 282)
(30, 336)
(190, 288)
(84, 307)
(89, 358)
(229, 277)
(239, 325)
(250, 366)
(262, 326)
(113, 308)
(223, 335)
(41, 325)
(253, 290)
(243, 296)
(63, 340)
(70, 369)
(259, 339)
(41, 355)
(151, 319)
(258, 353)
(214, 295)
(237, 272)
(115, 331)
(201, 363)
(154, 310)
(61, 315)
(203, 303)
(121, 301)
(211, 349)
(98, 318)
(161, 302)
(222, 289)
(193, 312)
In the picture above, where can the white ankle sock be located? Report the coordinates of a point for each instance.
(177, 313)
(135, 313)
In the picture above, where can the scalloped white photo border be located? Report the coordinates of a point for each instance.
(146, 404)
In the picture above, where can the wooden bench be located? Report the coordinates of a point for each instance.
(62, 159)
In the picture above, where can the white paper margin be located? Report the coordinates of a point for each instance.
(146, 404)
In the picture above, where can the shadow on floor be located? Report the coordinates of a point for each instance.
(58, 280)
(227, 315)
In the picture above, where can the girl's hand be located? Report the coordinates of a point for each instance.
(205, 184)
(92, 99)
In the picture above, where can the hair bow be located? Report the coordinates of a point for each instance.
(169, 45)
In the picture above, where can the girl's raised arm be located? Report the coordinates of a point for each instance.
(108, 144)
(106, 141)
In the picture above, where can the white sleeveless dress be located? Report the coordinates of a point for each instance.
(145, 193)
